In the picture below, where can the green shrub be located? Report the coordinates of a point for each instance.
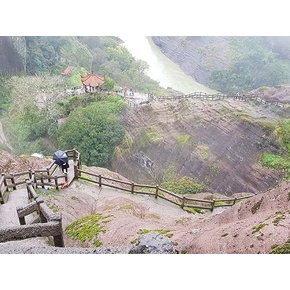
(184, 185)
(95, 130)
(183, 138)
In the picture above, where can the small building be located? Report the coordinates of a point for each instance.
(92, 82)
(67, 71)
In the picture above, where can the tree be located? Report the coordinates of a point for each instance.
(95, 131)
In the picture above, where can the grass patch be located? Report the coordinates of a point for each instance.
(214, 169)
(84, 175)
(88, 228)
(256, 206)
(152, 216)
(202, 151)
(184, 185)
(183, 138)
(193, 210)
(75, 198)
(278, 218)
(281, 161)
(219, 203)
(135, 241)
(258, 227)
(283, 249)
(46, 192)
(166, 233)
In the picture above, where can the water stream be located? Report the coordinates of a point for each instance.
(161, 68)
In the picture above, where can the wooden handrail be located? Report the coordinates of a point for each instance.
(184, 201)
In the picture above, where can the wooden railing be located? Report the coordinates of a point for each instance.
(212, 97)
(49, 223)
(40, 177)
(156, 191)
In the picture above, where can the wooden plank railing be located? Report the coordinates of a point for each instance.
(3, 188)
(45, 177)
(219, 96)
(50, 223)
(156, 191)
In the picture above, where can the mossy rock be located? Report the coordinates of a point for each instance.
(88, 228)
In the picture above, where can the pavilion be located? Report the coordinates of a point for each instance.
(92, 82)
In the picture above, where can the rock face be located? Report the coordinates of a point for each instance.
(11, 61)
(218, 143)
(153, 243)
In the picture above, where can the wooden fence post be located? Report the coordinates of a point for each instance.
(56, 183)
(21, 219)
(30, 173)
(157, 189)
(42, 181)
(13, 181)
(34, 178)
(75, 171)
(132, 187)
(212, 205)
(58, 239)
(40, 200)
(100, 180)
(5, 182)
(183, 201)
(28, 190)
(47, 171)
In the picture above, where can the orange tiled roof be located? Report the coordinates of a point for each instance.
(67, 71)
(92, 80)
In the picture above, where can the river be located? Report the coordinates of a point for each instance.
(161, 68)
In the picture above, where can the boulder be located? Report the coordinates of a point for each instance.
(153, 243)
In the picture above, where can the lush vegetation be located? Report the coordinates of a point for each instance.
(53, 54)
(253, 65)
(282, 160)
(103, 55)
(5, 97)
(28, 129)
(184, 185)
(94, 130)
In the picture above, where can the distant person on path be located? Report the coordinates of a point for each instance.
(64, 167)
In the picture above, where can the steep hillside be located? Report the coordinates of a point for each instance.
(218, 143)
(230, 64)
(256, 225)
(11, 61)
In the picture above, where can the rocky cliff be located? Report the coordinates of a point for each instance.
(12, 55)
(218, 143)
(230, 64)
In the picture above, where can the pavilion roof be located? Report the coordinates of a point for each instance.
(92, 80)
(67, 71)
